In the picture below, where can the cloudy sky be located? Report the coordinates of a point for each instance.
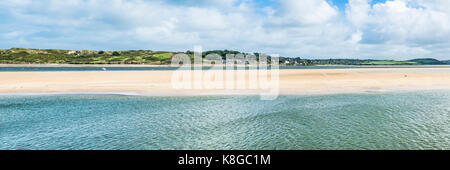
(382, 29)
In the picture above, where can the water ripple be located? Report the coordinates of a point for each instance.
(419, 120)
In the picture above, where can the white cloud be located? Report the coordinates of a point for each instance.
(409, 27)
(305, 28)
(307, 12)
(357, 12)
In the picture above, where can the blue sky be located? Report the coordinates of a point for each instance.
(341, 4)
(393, 29)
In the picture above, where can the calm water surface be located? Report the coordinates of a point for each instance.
(419, 120)
(95, 68)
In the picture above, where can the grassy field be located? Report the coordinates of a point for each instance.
(24, 56)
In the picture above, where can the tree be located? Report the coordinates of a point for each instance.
(115, 53)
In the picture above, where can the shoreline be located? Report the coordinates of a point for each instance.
(82, 65)
(168, 65)
(236, 93)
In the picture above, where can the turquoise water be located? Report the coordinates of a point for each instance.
(419, 120)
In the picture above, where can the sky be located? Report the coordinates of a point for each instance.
(377, 29)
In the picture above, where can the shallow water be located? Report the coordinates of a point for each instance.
(419, 120)
(162, 68)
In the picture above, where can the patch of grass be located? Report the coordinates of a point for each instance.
(164, 56)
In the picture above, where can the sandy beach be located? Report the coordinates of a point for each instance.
(292, 82)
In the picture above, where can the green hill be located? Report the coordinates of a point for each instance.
(446, 61)
(52, 56)
(427, 61)
(390, 62)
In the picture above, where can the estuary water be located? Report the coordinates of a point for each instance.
(394, 120)
(162, 68)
